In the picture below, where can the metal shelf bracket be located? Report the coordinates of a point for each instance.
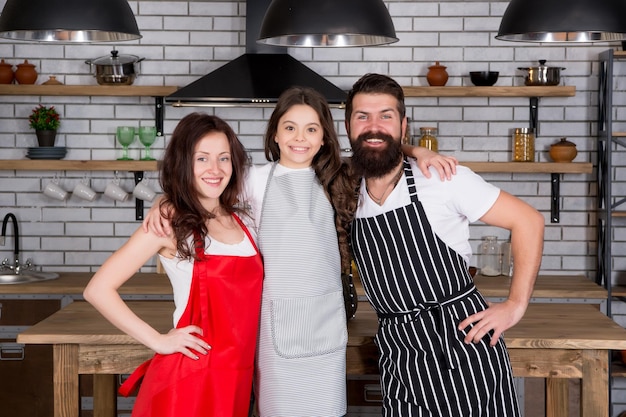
(138, 202)
(554, 198)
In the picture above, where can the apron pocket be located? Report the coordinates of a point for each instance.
(311, 326)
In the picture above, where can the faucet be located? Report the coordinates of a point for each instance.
(16, 267)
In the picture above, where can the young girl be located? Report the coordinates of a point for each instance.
(204, 366)
(301, 355)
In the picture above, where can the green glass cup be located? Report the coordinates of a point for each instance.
(147, 136)
(125, 136)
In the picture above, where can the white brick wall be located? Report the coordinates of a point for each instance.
(183, 40)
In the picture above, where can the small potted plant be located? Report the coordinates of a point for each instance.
(45, 121)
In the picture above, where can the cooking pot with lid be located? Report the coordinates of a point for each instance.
(542, 75)
(115, 69)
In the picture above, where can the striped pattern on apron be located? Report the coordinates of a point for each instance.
(301, 356)
(421, 289)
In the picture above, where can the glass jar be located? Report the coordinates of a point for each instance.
(507, 259)
(524, 145)
(489, 256)
(428, 139)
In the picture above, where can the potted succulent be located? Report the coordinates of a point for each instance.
(45, 121)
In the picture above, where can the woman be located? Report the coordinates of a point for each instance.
(204, 366)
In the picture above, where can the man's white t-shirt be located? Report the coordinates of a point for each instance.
(450, 206)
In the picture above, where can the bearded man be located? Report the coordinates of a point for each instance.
(441, 346)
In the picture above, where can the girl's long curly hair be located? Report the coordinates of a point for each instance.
(333, 173)
(181, 203)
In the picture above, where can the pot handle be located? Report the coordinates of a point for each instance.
(90, 63)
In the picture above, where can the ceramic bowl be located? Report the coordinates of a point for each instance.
(484, 78)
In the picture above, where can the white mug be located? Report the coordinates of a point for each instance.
(114, 191)
(54, 190)
(84, 191)
(143, 191)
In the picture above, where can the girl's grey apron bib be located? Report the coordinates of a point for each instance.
(302, 340)
(421, 289)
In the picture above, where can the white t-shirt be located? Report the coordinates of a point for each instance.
(450, 206)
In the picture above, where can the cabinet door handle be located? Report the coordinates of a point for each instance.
(11, 351)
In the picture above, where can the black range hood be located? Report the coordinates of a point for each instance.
(257, 77)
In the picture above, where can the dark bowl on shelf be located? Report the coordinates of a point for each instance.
(484, 78)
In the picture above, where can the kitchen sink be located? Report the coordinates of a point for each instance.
(27, 277)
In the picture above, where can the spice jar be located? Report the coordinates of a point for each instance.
(489, 256)
(428, 139)
(524, 145)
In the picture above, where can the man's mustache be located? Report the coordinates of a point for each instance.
(374, 135)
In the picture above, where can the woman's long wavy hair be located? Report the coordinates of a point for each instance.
(331, 171)
(181, 203)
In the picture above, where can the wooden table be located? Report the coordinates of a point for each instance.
(552, 340)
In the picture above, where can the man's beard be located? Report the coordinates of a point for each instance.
(375, 163)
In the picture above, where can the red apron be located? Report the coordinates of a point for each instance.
(224, 301)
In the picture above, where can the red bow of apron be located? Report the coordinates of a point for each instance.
(224, 301)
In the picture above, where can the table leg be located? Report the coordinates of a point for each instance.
(104, 395)
(65, 377)
(595, 383)
(557, 397)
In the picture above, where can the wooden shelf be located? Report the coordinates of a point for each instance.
(531, 167)
(522, 91)
(618, 214)
(86, 90)
(74, 165)
(618, 291)
(161, 91)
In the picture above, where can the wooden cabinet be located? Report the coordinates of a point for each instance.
(25, 370)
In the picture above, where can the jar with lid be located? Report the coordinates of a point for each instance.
(26, 73)
(428, 139)
(489, 256)
(524, 145)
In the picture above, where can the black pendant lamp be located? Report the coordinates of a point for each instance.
(68, 21)
(330, 23)
(564, 21)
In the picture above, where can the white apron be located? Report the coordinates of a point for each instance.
(301, 357)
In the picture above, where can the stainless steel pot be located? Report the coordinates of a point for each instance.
(115, 69)
(542, 75)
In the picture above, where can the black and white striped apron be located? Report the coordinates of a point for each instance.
(421, 289)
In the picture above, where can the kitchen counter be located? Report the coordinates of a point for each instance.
(547, 287)
(576, 287)
(73, 283)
